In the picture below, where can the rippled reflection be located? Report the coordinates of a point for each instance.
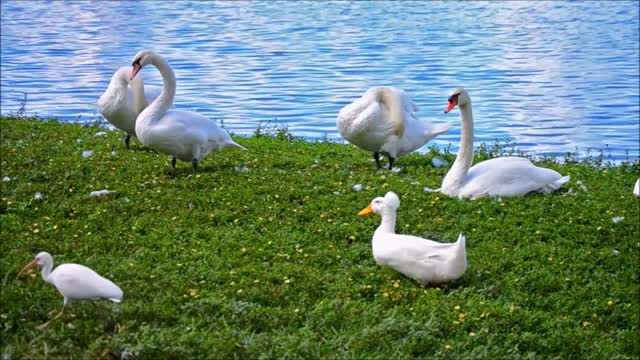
(550, 77)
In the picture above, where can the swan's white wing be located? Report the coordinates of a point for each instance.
(75, 281)
(362, 124)
(407, 104)
(507, 176)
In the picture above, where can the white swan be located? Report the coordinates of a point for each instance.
(636, 188)
(420, 259)
(383, 121)
(185, 135)
(505, 176)
(123, 101)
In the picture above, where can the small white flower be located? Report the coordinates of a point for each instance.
(396, 170)
(617, 219)
(430, 190)
(100, 193)
(101, 133)
(87, 153)
(113, 153)
(615, 252)
(582, 186)
(38, 197)
(357, 187)
(336, 193)
(316, 161)
(437, 162)
(242, 169)
(78, 141)
(126, 199)
(6, 179)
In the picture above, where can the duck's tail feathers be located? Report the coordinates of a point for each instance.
(462, 245)
(553, 186)
(396, 110)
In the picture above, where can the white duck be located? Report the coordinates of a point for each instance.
(505, 176)
(185, 135)
(383, 121)
(636, 188)
(74, 282)
(420, 259)
(124, 100)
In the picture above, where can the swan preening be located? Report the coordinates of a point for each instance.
(184, 135)
(505, 176)
(421, 259)
(124, 100)
(382, 121)
(74, 282)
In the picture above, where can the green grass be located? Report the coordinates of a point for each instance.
(274, 262)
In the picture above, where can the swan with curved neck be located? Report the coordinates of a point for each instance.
(74, 282)
(505, 176)
(124, 100)
(382, 121)
(184, 135)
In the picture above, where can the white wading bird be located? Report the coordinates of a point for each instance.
(382, 121)
(505, 176)
(124, 100)
(74, 282)
(421, 259)
(185, 135)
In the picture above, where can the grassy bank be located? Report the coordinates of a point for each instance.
(261, 254)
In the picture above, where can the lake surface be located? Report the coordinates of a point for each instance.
(549, 77)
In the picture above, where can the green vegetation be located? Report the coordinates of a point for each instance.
(261, 255)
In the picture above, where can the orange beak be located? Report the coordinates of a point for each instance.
(451, 105)
(366, 211)
(136, 69)
(28, 267)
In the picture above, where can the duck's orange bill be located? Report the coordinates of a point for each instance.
(28, 267)
(135, 70)
(451, 105)
(366, 211)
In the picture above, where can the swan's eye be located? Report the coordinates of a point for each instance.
(137, 61)
(453, 97)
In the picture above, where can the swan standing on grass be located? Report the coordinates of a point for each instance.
(124, 100)
(74, 282)
(185, 135)
(505, 176)
(424, 260)
(382, 121)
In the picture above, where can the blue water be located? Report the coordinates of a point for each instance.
(549, 77)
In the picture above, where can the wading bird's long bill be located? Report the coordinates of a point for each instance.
(366, 211)
(28, 267)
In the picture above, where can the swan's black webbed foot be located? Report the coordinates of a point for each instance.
(126, 141)
(391, 160)
(172, 171)
(194, 165)
(376, 156)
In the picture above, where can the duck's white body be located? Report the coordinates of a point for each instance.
(421, 259)
(123, 100)
(506, 176)
(186, 135)
(383, 121)
(636, 188)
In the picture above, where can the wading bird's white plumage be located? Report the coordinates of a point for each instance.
(505, 176)
(185, 135)
(124, 100)
(383, 121)
(74, 281)
(421, 259)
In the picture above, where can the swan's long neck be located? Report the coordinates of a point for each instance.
(163, 102)
(458, 172)
(388, 223)
(137, 86)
